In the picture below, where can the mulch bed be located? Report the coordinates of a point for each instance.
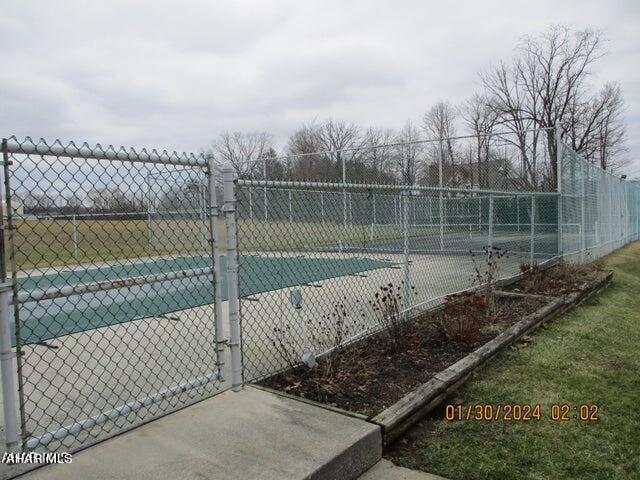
(372, 374)
(558, 280)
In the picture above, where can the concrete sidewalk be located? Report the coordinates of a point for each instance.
(385, 470)
(252, 434)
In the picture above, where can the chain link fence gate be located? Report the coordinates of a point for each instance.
(108, 272)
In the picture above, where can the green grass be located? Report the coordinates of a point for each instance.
(590, 355)
(46, 243)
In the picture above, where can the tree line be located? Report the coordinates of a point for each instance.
(503, 135)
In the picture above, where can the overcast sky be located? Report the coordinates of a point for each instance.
(175, 74)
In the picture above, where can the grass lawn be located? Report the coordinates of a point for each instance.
(45, 243)
(589, 356)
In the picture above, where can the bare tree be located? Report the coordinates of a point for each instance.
(341, 139)
(516, 109)
(305, 162)
(596, 128)
(110, 199)
(409, 154)
(243, 151)
(378, 153)
(611, 132)
(480, 117)
(439, 123)
(324, 150)
(39, 202)
(546, 87)
(72, 204)
(273, 168)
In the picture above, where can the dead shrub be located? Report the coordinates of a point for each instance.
(562, 278)
(463, 316)
(387, 305)
(486, 275)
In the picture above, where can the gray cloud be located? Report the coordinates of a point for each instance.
(174, 74)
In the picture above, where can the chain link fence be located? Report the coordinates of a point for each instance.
(108, 273)
(118, 265)
(325, 253)
(600, 212)
(338, 249)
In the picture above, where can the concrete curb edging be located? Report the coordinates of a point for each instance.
(396, 419)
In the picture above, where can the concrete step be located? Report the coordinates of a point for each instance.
(386, 470)
(251, 434)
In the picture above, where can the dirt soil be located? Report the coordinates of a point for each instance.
(369, 376)
(373, 373)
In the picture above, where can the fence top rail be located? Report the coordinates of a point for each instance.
(497, 135)
(98, 152)
(96, 215)
(374, 186)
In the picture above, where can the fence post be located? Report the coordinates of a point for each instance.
(440, 183)
(74, 236)
(290, 209)
(533, 230)
(344, 192)
(559, 157)
(250, 203)
(611, 209)
(583, 206)
(395, 209)
(406, 293)
(518, 211)
(490, 239)
(637, 195)
(149, 226)
(374, 210)
(264, 174)
(7, 370)
(214, 243)
(373, 215)
(203, 210)
(322, 207)
(232, 278)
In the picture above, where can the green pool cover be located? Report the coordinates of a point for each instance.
(47, 319)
